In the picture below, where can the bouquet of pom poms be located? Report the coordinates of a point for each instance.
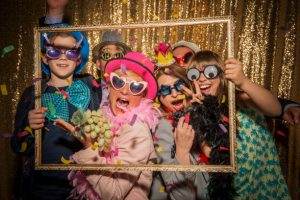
(93, 124)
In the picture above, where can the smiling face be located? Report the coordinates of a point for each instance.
(62, 67)
(208, 86)
(176, 100)
(122, 100)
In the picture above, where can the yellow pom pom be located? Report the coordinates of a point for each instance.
(65, 161)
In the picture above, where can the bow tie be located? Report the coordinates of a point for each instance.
(77, 94)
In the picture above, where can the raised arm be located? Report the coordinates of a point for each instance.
(253, 94)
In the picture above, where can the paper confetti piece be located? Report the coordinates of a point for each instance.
(3, 90)
(23, 147)
(52, 109)
(28, 129)
(162, 189)
(119, 162)
(65, 161)
(7, 50)
(159, 149)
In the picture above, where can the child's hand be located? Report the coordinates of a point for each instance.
(234, 72)
(205, 149)
(184, 136)
(196, 96)
(86, 141)
(36, 118)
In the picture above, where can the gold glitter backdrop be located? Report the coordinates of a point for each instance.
(265, 42)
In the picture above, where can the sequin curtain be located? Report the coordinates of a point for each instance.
(265, 42)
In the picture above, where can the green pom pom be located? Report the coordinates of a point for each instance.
(78, 118)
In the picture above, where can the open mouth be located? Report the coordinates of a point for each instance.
(205, 89)
(63, 65)
(122, 103)
(178, 104)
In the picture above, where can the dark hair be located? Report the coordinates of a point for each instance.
(172, 70)
(53, 35)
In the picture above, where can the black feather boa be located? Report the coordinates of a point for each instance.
(207, 121)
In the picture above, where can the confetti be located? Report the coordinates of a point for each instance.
(65, 161)
(119, 162)
(162, 189)
(159, 149)
(3, 90)
(7, 50)
(23, 147)
(28, 129)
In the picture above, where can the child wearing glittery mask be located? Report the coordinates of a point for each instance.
(132, 87)
(259, 175)
(63, 92)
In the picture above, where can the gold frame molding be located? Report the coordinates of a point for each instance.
(228, 20)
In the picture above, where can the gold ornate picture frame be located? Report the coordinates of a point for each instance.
(189, 26)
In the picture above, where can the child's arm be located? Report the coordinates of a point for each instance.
(135, 146)
(253, 94)
(179, 185)
(22, 140)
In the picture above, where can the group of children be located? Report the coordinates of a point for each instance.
(141, 133)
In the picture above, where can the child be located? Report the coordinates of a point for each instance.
(110, 47)
(177, 185)
(64, 56)
(171, 80)
(259, 174)
(132, 87)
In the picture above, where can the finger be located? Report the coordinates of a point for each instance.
(185, 126)
(36, 111)
(187, 90)
(36, 121)
(231, 66)
(65, 125)
(180, 122)
(44, 109)
(36, 116)
(195, 100)
(198, 90)
(231, 61)
(37, 126)
(288, 117)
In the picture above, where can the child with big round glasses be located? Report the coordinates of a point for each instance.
(259, 175)
(132, 87)
(63, 93)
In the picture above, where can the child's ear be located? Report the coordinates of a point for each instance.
(78, 62)
(44, 59)
(98, 64)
